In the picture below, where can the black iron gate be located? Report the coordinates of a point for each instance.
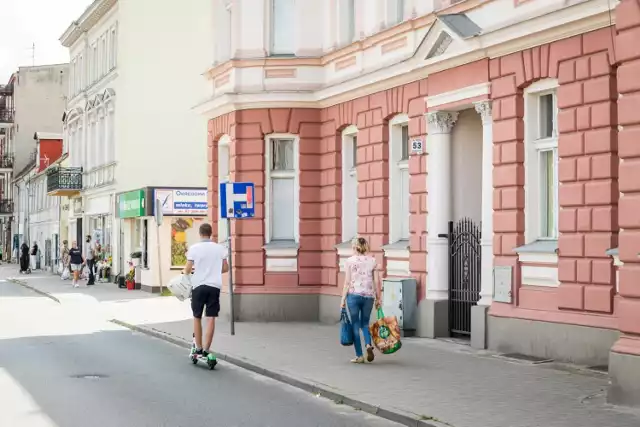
(464, 274)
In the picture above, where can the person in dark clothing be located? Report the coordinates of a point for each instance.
(89, 255)
(34, 255)
(24, 258)
(75, 255)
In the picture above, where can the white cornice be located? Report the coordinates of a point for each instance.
(562, 23)
(86, 21)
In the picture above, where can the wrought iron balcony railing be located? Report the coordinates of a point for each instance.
(6, 206)
(6, 161)
(6, 116)
(64, 180)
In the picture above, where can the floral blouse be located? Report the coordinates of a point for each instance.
(361, 268)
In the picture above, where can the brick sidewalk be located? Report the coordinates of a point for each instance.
(432, 379)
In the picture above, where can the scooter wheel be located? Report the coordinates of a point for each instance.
(194, 360)
(212, 364)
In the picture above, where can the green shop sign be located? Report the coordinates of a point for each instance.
(131, 204)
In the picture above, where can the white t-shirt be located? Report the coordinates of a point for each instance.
(207, 257)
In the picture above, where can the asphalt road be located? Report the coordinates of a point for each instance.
(59, 368)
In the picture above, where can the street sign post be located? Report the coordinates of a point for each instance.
(157, 213)
(237, 201)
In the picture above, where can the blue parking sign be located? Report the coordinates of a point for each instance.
(237, 200)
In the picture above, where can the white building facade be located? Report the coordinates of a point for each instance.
(90, 121)
(130, 123)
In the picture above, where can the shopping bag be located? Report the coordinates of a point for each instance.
(346, 329)
(385, 333)
(60, 268)
(65, 274)
(180, 287)
(85, 273)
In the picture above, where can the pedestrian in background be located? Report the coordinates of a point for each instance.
(75, 261)
(34, 254)
(89, 255)
(65, 259)
(362, 288)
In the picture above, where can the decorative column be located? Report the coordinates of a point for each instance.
(486, 290)
(439, 212)
(479, 312)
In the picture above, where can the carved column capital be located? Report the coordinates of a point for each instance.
(485, 110)
(441, 121)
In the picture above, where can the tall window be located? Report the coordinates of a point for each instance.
(347, 20)
(541, 161)
(349, 183)
(223, 176)
(81, 71)
(96, 66)
(283, 182)
(282, 27)
(395, 12)
(103, 56)
(111, 132)
(399, 178)
(113, 47)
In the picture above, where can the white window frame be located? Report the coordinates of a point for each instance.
(395, 12)
(269, 175)
(224, 152)
(349, 171)
(534, 146)
(346, 11)
(278, 50)
(396, 166)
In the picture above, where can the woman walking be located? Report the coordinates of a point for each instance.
(362, 289)
(75, 255)
(65, 259)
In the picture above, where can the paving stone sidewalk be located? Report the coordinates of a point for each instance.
(433, 379)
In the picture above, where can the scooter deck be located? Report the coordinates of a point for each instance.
(195, 358)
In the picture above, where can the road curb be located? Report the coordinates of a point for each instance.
(33, 288)
(306, 385)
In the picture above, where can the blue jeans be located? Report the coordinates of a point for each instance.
(360, 311)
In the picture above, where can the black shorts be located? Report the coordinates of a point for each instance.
(207, 296)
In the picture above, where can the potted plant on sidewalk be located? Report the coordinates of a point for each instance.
(130, 278)
(136, 258)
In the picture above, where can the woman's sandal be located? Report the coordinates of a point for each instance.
(357, 360)
(370, 355)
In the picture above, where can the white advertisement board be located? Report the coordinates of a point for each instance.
(182, 201)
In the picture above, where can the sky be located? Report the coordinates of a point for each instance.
(25, 22)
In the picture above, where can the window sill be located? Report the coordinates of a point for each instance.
(540, 251)
(344, 249)
(397, 250)
(281, 248)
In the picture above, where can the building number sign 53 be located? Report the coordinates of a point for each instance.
(417, 146)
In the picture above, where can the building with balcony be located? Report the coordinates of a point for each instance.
(129, 122)
(484, 148)
(32, 101)
(37, 215)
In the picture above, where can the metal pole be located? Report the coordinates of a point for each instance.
(233, 318)
(159, 259)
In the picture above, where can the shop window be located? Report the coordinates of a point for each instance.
(347, 20)
(223, 176)
(541, 161)
(349, 183)
(282, 27)
(283, 188)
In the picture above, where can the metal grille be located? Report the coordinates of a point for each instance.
(47, 253)
(464, 274)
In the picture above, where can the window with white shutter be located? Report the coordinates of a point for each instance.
(349, 183)
(282, 188)
(399, 178)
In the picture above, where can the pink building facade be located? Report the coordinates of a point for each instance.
(535, 142)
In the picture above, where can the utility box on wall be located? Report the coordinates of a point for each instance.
(400, 299)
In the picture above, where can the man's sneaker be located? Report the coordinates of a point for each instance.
(196, 352)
